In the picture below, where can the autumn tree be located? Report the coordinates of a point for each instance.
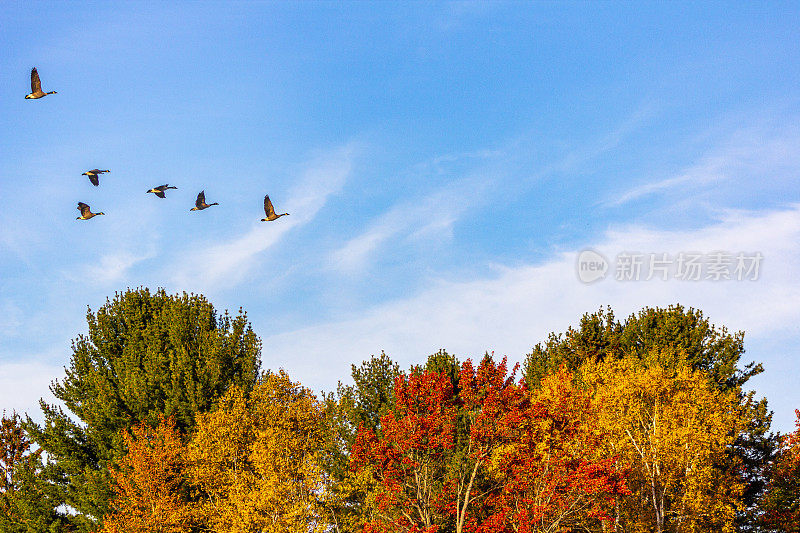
(713, 350)
(551, 469)
(256, 460)
(781, 503)
(429, 483)
(409, 460)
(146, 354)
(672, 425)
(151, 492)
(28, 503)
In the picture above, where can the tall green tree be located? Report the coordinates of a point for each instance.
(352, 406)
(28, 502)
(707, 348)
(146, 354)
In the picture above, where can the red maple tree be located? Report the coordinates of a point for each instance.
(489, 457)
(408, 459)
(782, 498)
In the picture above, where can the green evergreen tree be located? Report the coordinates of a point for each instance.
(708, 348)
(443, 363)
(361, 404)
(146, 354)
(28, 502)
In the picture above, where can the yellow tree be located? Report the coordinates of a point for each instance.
(256, 460)
(671, 425)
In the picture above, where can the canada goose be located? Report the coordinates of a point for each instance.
(270, 211)
(94, 175)
(36, 87)
(159, 191)
(200, 203)
(86, 213)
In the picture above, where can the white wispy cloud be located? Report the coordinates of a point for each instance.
(750, 153)
(709, 170)
(114, 267)
(433, 216)
(603, 143)
(12, 318)
(481, 171)
(228, 263)
(430, 216)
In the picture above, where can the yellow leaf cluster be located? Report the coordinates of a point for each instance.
(670, 425)
(255, 459)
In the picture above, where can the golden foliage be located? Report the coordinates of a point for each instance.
(256, 460)
(671, 426)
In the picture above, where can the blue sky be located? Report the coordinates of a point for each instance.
(443, 164)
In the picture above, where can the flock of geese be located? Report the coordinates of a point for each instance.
(94, 174)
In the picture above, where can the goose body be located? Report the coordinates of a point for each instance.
(270, 211)
(36, 87)
(86, 213)
(94, 175)
(159, 191)
(200, 203)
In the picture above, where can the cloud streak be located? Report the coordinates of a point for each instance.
(746, 153)
(428, 217)
(113, 268)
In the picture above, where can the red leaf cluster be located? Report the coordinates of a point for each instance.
(530, 460)
(782, 500)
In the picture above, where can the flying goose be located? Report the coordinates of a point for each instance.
(86, 213)
(36, 87)
(200, 203)
(159, 191)
(94, 175)
(270, 211)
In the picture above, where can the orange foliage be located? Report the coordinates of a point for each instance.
(150, 490)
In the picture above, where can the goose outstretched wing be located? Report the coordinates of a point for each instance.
(268, 209)
(36, 84)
